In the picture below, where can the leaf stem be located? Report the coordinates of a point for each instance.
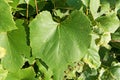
(36, 6)
(27, 11)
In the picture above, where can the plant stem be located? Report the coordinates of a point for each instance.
(36, 6)
(27, 11)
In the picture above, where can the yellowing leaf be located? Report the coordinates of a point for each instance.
(2, 52)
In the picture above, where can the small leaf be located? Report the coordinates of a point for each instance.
(112, 73)
(88, 74)
(108, 23)
(104, 7)
(94, 5)
(105, 39)
(92, 58)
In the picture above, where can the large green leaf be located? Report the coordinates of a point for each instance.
(6, 19)
(58, 44)
(14, 42)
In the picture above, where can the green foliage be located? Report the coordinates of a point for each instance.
(60, 43)
(59, 39)
(6, 23)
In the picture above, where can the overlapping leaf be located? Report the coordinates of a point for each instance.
(58, 44)
(112, 73)
(88, 74)
(115, 42)
(6, 20)
(14, 42)
(108, 23)
(23, 74)
(105, 6)
(94, 5)
(92, 58)
(86, 2)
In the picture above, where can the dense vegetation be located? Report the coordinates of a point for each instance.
(59, 39)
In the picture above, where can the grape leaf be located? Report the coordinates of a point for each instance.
(58, 44)
(92, 58)
(112, 73)
(6, 20)
(105, 7)
(108, 23)
(15, 44)
(94, 5)
(22, 74)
